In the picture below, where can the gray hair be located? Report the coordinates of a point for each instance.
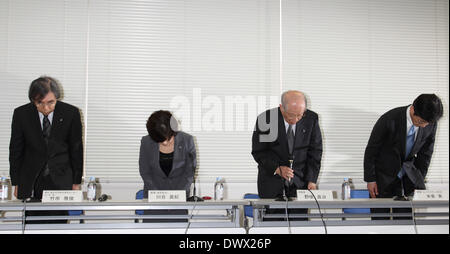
(283, 98)
(41, 86)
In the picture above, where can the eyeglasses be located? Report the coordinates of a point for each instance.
(419, 120)
(45, 104)
(295, 116)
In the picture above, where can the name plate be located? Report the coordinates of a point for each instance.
(430, 195)
(321, 195)
(58, 196)
(166, 196)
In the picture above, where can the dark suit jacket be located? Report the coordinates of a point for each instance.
(385, 152)
(184, 163)
(270, 150)
(29, 154)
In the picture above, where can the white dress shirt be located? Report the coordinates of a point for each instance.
(41, 118)
(286, 125)
(409, 123)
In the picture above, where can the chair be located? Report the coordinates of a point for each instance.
(139, 196)
(248, 209)
(77, 213)
(358, 194)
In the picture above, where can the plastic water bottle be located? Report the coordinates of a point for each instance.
(218, 189)
(346, 189)
(4, 188)
(92, 189)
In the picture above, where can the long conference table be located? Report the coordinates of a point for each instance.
(247, 216)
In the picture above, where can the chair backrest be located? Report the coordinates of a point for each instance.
(248, 209)
(251, 196)
(139, 195)
(75, 212)
(363, 193)
(359, 193)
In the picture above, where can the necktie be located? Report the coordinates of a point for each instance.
(409, 141)
(409, 145)
(46, 126)
(290, 139)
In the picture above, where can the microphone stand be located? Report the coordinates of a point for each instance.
(286, 184)
(194, 198)
(283, 196)
(33, 186)
(289, 181)
(291, 161)
(30, 199)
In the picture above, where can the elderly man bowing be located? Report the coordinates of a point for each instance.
(288, 134)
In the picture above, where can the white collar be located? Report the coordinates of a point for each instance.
(409, 122)
(286, 125)
(50, 117)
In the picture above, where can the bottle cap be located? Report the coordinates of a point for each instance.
(92, 178)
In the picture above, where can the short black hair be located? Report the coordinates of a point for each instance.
(161, 126)
(428, 107)
(41, 86)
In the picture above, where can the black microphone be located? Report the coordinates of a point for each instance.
(401, 198)
(288, 183)
(285, 185)
(103, 197)
(33, 185)
(291, 164)
(193, 197)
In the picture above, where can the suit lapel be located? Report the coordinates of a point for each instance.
(57, 120)
(282, 137)
(402, 131)
(299, 132)
(177, 154)
(36, 125)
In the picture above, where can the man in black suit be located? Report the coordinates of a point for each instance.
(400, 147)
(289, 131)
(46, 149)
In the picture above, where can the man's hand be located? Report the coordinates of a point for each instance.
(15, 191)
(312, 186)
(76, 187)
(285, 172)
(373, 189)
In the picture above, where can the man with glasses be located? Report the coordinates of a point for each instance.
(399, 150)
(287, 144)
(46, 149)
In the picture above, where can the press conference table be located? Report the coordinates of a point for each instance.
(351, 216)
(227, 217)
(121, 217)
